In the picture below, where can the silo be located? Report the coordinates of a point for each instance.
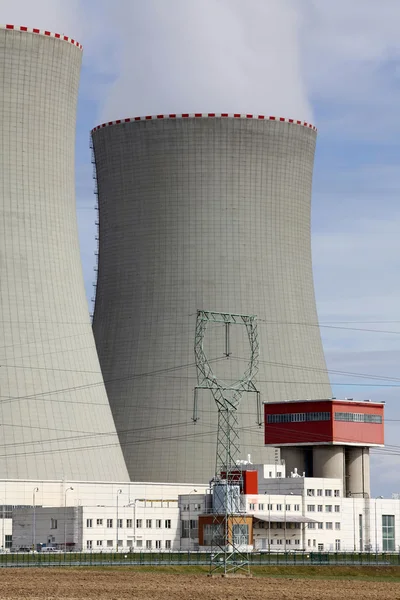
(54, 413)
(202, 212)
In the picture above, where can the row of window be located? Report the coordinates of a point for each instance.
(109, 523)
(300, 417)
(313, 543)
(261, 507)
(357, 417)
(320, 492)
(328, 525)
(129, 544)
(320, 508)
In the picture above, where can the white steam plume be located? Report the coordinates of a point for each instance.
(58, 16)
(205, 55)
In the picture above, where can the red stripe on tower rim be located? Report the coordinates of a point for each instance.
(218, 115)
(9, 26)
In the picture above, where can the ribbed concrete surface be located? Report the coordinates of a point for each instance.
(55, 418)
(202, 213)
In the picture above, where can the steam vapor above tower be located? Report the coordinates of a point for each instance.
(202, 212)
(54, 414)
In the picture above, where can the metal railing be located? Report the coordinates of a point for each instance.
(199, 558)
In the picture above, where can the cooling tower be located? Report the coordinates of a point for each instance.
(54, 413)
(202, 212)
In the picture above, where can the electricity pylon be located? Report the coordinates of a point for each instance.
(230, 528)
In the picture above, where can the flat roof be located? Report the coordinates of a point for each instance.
(283, 519)
(333, 400)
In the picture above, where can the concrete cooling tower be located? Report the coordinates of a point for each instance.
(54, 413)
(202, 212)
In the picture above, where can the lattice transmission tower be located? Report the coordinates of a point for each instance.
(230, 528)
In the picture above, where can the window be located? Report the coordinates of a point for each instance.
(8, 541)
(109, 523)
(99, 521)
(279, 474)
(279, 542)
(109, 543)
(185, 507)
(139, 543)
(261, 507)
(328, 492)
(158, 544)
(99, 543)
(158, 523)
(148, 523)
(320, 525)
(269, 506)
(53, 524)
(357, 418)
(328, 507)
(300, 417)
(185, 529)
(320, 508)
(297, 507)
(279, 507)
(337, 545)
(197, 506)
(270, 474)
(129, 543)
(311, 525)
(308, 542)
(89, 522)
(167, 523)
(388, 536)
(252, 506)
(337, 508)
(287, 506)
(279, 525)
(148, 544)
(120, 524)
(311, 507)
(297, 525)
(120, 543)
(89, 544)
(337, 525)
(328, 525)
(337, 493)
(129, 523)
(320, 547)
(310, 493)
(289, 541)
(168, 544)
(319, 492)
(139, 523)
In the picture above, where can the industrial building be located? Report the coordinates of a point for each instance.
(202, 212)
(283, 512)
(328, 438)
(54, 412)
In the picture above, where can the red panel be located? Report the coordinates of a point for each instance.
(305, 432)
(358, 433)
(250, 482)
(324, 432)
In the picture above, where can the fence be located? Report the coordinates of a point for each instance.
(155, 559)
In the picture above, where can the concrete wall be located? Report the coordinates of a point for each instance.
(54, 413)
(213, 214)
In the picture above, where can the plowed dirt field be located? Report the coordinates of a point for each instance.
(121, 584)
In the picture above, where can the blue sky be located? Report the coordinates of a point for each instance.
(334, 63)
